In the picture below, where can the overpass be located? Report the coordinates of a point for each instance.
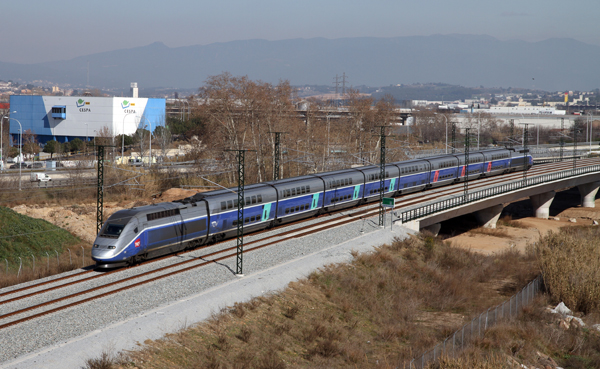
(487, 201)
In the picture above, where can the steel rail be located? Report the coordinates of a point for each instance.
(443, 191)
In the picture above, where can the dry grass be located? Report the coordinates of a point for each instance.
(371, 312)
(507, 221)
(44, 266)
(494, 232)
(535, 335)
(570, 263)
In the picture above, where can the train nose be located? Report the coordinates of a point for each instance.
(102, 251)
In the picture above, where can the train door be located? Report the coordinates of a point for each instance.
(141, 238)
(266, 212)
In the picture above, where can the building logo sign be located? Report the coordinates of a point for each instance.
(128, 107)
(83, 105)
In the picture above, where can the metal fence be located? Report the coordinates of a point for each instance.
(475, 329)
(460, 200)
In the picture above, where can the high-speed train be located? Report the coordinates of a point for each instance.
(140, 233)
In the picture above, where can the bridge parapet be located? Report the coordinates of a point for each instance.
(540, 189)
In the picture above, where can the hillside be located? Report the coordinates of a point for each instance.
(467, 60)
(22, 236)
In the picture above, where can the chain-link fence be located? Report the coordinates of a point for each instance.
(452, 346)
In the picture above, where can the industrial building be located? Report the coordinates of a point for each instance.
(64, 118)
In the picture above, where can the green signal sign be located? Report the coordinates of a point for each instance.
(388, 202)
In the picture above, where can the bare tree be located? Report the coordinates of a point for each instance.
(240, 113)
(163, 138)
(30, 145)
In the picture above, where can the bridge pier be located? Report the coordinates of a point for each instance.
(489, 217)
(541, 204)
(588, 194)
(434, 228)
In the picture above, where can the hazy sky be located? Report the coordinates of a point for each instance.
(40, 30)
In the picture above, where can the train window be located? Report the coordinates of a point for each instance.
(230, 204)
(252, 219)
(246, 220)
(297, 190)
(350, 180)
(234, 223)
(303, 190)
(235, 203)
(293, 192)
(297, 208)
(259, 197)
(305, 206)
(287, 211)
(254, 199)
(248, 200)
(387, 174)
(302, 207)
(307, 189)
(288, 193)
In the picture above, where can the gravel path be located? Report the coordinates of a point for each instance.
(65, 339)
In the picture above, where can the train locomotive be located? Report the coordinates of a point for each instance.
(133, 235)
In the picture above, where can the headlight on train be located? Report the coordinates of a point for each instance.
(112, 247)
(96, 246)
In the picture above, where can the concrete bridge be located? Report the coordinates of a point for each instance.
(487, 203)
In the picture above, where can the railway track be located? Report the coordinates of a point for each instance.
(33, 301)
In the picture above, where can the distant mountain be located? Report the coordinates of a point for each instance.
(467, 60)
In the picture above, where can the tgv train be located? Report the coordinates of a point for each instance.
(139, 233)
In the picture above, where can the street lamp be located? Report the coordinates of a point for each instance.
(86, 138)
(20, 146)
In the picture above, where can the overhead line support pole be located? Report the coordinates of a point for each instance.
(525, 151)
(277, 155)
(453, 137)
(466, 167)
(382, 177)
(240, 212)
(562, 139)
(100, 189)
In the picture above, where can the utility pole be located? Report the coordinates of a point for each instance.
(344, 84)
(240, 209)
(276, 155)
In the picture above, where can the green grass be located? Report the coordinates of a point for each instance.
(23, 236)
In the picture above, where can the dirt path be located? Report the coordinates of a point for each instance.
(507, 236)
(80, 220)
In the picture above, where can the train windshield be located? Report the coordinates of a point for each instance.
(113, 230)
(115, 225)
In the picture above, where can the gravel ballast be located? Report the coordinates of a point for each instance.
(118, 322)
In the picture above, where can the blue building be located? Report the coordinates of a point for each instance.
(64, 118)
